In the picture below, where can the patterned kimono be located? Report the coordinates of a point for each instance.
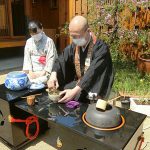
(39, 55)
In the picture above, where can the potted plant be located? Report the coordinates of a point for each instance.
(141, 105)
(143, 61)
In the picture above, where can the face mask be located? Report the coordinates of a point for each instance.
(79, 42)
(37, 37)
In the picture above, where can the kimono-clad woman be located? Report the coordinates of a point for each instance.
(39, 54)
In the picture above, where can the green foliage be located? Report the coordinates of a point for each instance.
(64, 30)
(144, 37)
(106, 22)
(131, 6)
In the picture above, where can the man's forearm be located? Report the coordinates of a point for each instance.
(77, 89)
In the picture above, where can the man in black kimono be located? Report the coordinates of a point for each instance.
(84, 67)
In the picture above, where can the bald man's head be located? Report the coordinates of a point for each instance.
(79, 30)
(78, 24)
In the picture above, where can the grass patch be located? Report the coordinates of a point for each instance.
(129, 80)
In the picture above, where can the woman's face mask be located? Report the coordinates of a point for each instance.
(37, 37)
(80, 41)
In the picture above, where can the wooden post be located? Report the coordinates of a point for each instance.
(28, 8)
(64, 16)
(71, 9)
(10, 18)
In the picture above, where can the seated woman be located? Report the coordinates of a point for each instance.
(39, 54)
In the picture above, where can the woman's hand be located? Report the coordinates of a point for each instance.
(32, 75)
(53, 82)
(37, 74)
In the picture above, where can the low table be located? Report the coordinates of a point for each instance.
(13, 134)
(68, 131)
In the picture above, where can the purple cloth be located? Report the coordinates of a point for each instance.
(72, 104)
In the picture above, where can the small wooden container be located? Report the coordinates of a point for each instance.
(31, 100)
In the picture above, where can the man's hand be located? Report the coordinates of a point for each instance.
(53, 82)
(69, 94)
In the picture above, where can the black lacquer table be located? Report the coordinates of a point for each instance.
(68, 131)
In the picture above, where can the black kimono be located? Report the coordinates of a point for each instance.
(99, 76)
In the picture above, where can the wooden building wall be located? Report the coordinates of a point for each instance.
(80, 7)
(52, 19)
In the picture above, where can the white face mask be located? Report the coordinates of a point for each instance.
(79, 42)
(37, 37)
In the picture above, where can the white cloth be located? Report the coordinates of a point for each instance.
(39, 80)
(92, 96)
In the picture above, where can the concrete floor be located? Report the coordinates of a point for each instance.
(9, 64)
(42, 141)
